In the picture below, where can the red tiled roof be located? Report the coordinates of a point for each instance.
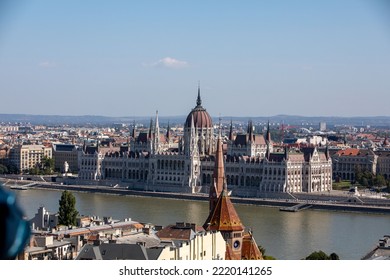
(348, 152)
(224, 216)
(172, 232)
(250, 250)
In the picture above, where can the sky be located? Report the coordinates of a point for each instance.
(251, 58)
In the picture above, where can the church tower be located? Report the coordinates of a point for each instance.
(224, 218)
(218, 176)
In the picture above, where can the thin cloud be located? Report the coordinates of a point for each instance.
(169, 62)
(47, 64)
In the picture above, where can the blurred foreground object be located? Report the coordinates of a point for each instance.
(14, 230)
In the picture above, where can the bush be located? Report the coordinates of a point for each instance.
(320, 255)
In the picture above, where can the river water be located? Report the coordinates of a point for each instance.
(284, 235)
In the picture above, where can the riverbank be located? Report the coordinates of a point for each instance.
(311, 202)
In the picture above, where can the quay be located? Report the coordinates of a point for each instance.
(296, 208)
(300, 202)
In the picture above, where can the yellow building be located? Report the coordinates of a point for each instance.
(25, 157)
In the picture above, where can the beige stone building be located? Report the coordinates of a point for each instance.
(25, 157)
(347, 160)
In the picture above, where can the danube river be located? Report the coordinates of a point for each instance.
(284, 235)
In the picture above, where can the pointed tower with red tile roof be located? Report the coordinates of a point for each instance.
(223, 216)
(218, 177)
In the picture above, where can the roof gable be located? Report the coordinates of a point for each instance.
(224, 216)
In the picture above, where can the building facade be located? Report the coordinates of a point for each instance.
(65, 153)
(346, 161)
(25, 157)
(253, 165)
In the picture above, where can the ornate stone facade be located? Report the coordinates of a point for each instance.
(253, 164)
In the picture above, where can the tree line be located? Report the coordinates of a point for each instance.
(368, 179)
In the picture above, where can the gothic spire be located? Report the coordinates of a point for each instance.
(231, 130)
(133, 133)
(157, 126)
(220, 126)
(156, 134)
(168, 135)
(250, 130)
(150, 128)
(268, 136)
(198, 100)
(218, 176)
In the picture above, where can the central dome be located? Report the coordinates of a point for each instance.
(200, 116)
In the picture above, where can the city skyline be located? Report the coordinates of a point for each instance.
(255, 58)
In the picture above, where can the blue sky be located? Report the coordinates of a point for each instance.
(252, 58)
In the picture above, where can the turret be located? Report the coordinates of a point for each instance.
(168, 135)
(156, 139)
(268, 135)
(231, 131)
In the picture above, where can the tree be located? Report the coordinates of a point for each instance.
(334, 256)
(262, 250)
(358, 173)
(67, 213)
(12, 169)
(379, 181)
(47, 165)
(320, 255)
(3, 169)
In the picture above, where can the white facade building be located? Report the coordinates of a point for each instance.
(253, 164)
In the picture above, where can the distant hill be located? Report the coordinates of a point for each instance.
(379, 121)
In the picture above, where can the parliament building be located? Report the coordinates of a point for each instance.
(152, 162)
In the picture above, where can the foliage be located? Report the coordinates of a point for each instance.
(34, 171)
(269, 258)
(368, 179)
(262, 250)
(67, 210)
(320, 255)
(342, 185)
(379, 181)
(45, 167)
(334, 256)
(8, 168)
(3, 169)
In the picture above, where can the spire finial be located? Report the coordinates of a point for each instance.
(231, 130)
(268, 135)
(220, 125)
(168, 131)
(199, 100)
